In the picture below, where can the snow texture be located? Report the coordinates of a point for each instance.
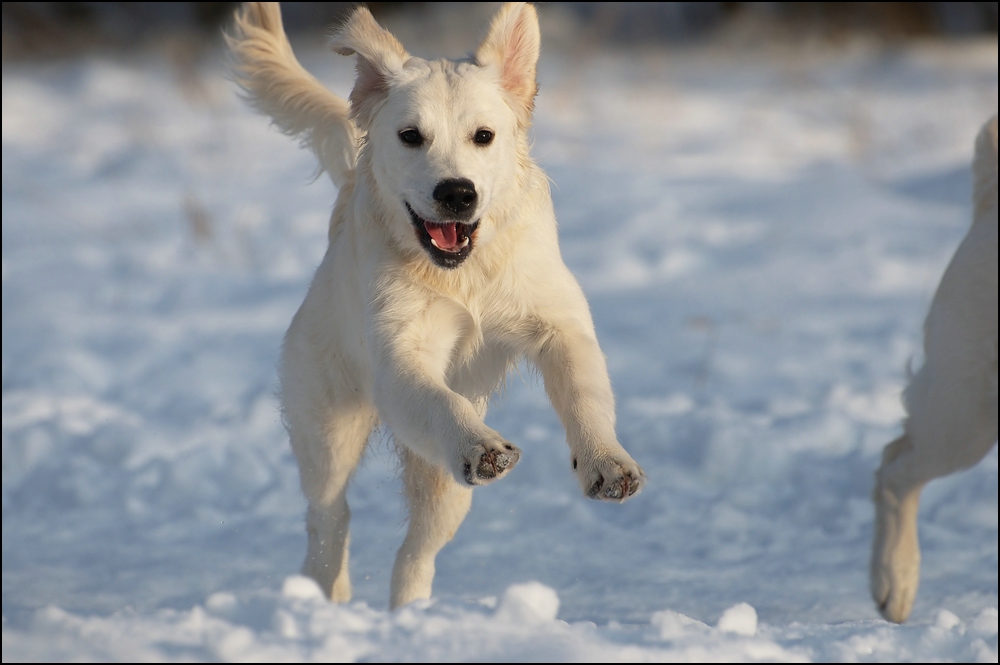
(759, 235)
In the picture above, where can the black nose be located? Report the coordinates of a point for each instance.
(456, 196)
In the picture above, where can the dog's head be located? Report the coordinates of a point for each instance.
(445, 140)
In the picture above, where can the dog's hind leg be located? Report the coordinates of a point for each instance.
(326, 462)
(952, 426)
(906, 469)
(895, 563)
(438, 504)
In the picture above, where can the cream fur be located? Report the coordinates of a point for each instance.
(387, 336)
(951, 401)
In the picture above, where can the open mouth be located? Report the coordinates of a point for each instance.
(447, 243)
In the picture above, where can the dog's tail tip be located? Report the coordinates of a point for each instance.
(986, 142)
(274, 83)
(984, 168)
(252, 18)
(263, 15)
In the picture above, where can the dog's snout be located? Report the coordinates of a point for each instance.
(456, 196)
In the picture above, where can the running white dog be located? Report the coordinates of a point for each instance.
(443, 271)
(952, 400)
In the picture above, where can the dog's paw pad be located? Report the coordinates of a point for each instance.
(490, 461)
(616, 483)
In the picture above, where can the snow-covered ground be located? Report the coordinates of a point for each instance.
(759, 234)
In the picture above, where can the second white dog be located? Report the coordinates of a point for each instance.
(443, 271)
(952, 400)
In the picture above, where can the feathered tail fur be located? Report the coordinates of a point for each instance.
(277, 85)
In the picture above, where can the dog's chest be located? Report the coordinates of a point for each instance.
(491, 342)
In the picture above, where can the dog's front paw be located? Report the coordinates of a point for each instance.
(488, 460)
(610, 478)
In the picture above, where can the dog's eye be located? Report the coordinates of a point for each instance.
(483, 137)
(411, 137)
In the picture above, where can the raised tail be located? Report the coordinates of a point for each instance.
(276, 84)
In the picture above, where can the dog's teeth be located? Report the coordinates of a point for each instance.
(460, 246)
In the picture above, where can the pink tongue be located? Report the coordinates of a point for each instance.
(445, 235)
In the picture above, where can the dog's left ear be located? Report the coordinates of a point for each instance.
(380, 58)
(512, 45)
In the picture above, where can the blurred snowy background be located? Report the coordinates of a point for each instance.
(758, 200)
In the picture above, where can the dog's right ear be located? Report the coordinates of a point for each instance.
(380, 57)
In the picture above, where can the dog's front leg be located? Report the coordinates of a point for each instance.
(411, 356)
(576, 380)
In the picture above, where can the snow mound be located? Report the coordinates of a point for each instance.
(532, 602)
(302, 588)
(739, 619)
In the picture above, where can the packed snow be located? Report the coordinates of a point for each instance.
(759, 233)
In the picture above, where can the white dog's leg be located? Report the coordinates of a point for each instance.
(328, 433)
(576, 379)
(438, 504)
(895, 564)
(908, 464)
(326, 461)
(329, 548)
(412, 355)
